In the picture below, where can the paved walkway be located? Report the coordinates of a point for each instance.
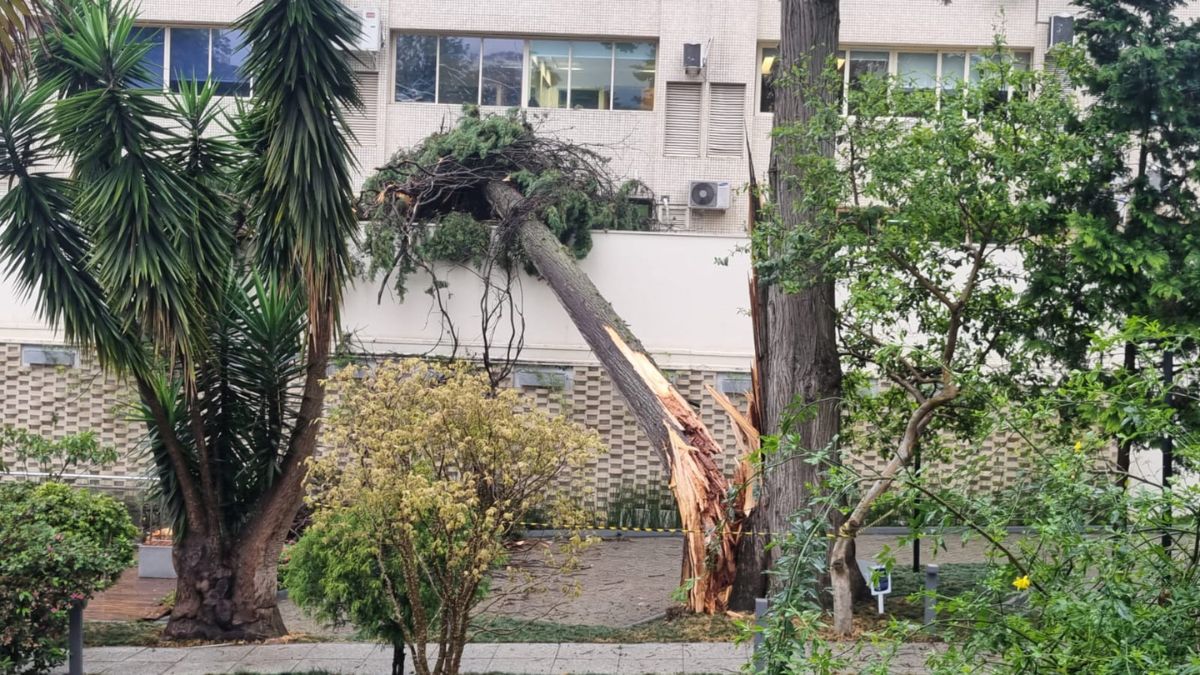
(342, 657)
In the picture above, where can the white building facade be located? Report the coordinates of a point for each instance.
(610, 75)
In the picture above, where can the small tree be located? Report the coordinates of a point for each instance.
(925, 213)
(437, 470)
(60, 546)
(334, 572)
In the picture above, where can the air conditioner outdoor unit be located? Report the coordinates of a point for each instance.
(370, 35)
(709, 194)
(1062, 29)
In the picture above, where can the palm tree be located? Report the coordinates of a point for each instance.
(20, 20)
(207, 270)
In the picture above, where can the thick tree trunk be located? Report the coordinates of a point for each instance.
(224, 593)
(800, 367)
(685, 446)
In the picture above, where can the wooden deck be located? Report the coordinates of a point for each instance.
(131, 599)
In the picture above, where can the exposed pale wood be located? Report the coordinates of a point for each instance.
(684, 444)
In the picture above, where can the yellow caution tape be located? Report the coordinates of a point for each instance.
(659, 530)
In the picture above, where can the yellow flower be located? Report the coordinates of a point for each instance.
(1021, 583)
(1078, 446)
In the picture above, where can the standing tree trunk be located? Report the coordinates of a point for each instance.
(222, 594)
(684, 444)
(800, 367)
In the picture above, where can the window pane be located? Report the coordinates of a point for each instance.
(867, 64)
(229, 54)
(954, 68)
(189, 55)
(152, 62)
(633, 87)
(416, 67)
(548, 63)
(917, 71)
(591, 75)
(917, 74)
(503, 61)
(458, 70)
(769, 71)
(863, 64)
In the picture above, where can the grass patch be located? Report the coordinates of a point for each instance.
(682, 628)
(122, 633)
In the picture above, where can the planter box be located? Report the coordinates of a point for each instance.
(155, 562)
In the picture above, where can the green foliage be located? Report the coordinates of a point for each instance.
(60, 545)
(428, 471)
(209, 269)
(408, 219)
(1135, 243)
(334, 573)
(54, 456)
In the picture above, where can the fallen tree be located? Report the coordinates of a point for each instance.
(497, 169)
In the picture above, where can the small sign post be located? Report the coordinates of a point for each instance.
(881, 584)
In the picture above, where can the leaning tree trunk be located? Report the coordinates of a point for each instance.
(684, 444)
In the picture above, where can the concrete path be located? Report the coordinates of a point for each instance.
(342, 657)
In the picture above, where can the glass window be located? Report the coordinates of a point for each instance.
(867, 64)
(503, 63)
(633, 76)
(769, 71)
(416, 68)
(917, 71)
(549, 63)
(591, 75)
(917, 79)
(458, 70)
(229, 53)
(189, 55)
(954, 69)
(152, 62)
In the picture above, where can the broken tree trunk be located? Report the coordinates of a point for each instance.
(684, 444)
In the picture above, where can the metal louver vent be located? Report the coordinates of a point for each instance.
(683, 119)
(726, 120)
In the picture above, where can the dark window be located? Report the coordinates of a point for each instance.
(769, 71)
(229, 53)
(416, 68)
(503, 63)
(458, 70)
(151, 76)
(189, 55)
(633, 81)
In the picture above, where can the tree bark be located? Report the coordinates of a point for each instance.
(800, 366)
(222, 594)
(684, 444)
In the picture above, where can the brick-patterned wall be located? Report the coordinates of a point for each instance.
(57, 401)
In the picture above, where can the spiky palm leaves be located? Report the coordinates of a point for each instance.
(138, 253)
(20, 21)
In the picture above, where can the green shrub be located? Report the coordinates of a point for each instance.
(60, 545)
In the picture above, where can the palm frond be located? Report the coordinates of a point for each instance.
(299, 180)
(136, 204)
(20, 24)
(42, 246)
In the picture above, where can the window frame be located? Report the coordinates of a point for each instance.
(526, 56)
(969, 54)
(168, 40)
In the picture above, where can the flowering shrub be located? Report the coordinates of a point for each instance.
(60, 545)
(434, 470)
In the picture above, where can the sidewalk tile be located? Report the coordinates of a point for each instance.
(717, 650)
(600, 666)
(480, 650)
(527, 650)
(185, 667)
(476, 665)
(267, 667)
(714, 666)
(344, 666)
(525, 666)
(653, 650)
(222, 654)
(289, 652)
(349, 650)
(631, 666)
(587, 651)
(156, 655)
(134, 667)
(111, 654)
